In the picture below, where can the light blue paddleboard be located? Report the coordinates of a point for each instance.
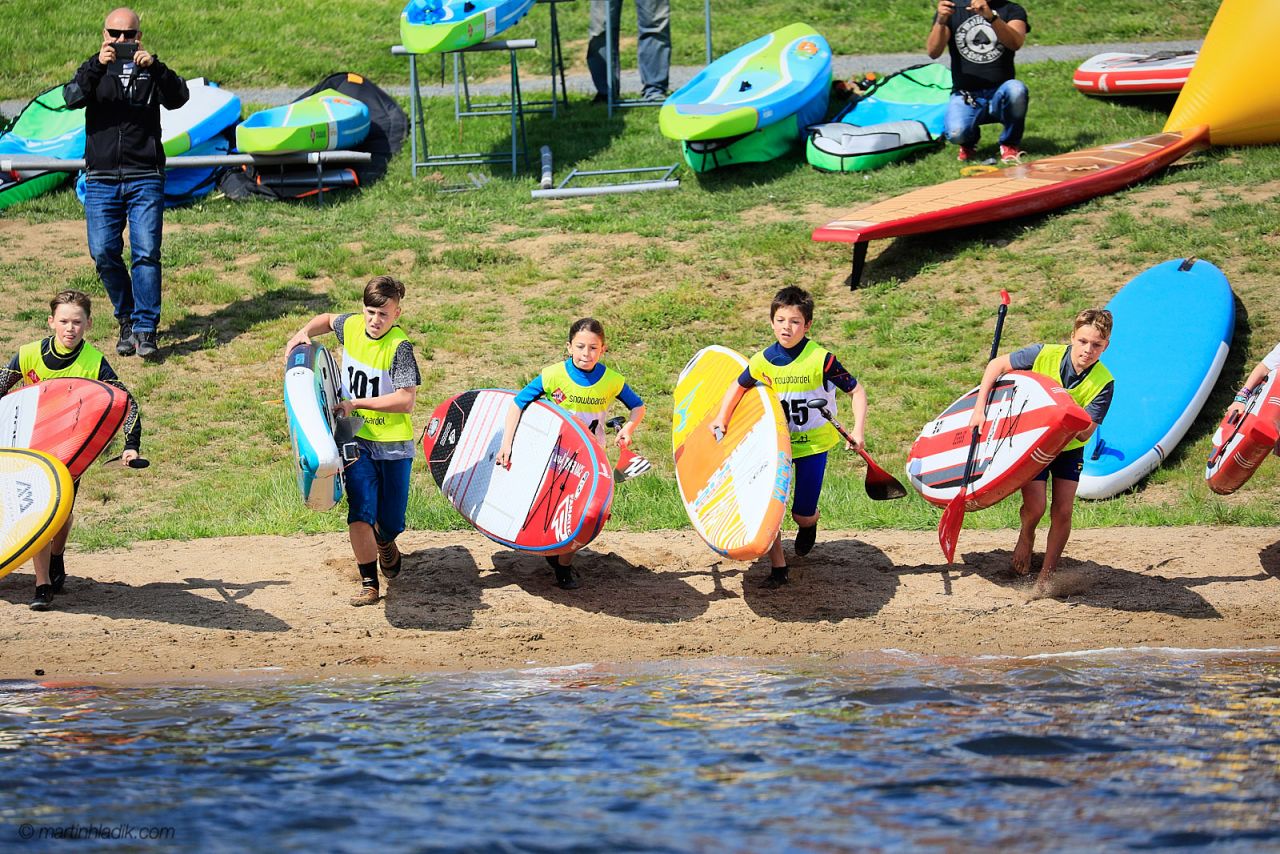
(311, 391)
(1173, 326)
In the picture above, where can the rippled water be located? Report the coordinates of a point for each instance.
(1132, 750)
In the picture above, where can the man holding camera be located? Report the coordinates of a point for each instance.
(982, 36)
(122, 89)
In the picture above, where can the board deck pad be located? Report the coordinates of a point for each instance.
(1241, 443)
(735, 489)
(1030, 419)
(1031, 188)
(312, 388)
(70, 418)
(553, 498)
(36, 494)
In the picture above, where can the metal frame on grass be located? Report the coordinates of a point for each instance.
(515, 107)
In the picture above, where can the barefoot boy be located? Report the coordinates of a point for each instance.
(1088, 381)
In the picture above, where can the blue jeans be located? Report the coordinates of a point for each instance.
(108, 205)
(378, 494)
(653, 19)
(1006, 105)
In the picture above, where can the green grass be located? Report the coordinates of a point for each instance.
(494, 279)
(249, 43)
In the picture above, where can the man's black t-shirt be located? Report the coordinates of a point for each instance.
(978, 59)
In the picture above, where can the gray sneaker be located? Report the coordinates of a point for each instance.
(145, 343)
(125, 346)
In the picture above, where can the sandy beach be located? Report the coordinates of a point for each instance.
(208, 607)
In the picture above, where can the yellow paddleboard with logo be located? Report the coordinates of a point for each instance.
(733, 488)
(35, 501)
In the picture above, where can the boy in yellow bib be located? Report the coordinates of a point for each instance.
(380, 384)
(65, 353)
(586, 388)
(799, 370)
(1091, 385)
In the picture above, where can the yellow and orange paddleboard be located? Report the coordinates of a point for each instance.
(35, 500)
(734, 488)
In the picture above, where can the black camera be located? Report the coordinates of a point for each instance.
(125, 51)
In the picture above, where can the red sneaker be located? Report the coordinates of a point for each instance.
(1010, 154)
(966, 154)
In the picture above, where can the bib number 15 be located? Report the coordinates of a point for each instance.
(797, 411)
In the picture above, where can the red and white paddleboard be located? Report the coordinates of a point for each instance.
(69, 418)
(1030, 419)
(1162, 73)
(1243, 442)
(556, 495)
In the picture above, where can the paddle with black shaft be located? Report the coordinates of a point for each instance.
(953, 517)
(630, 464)
(880, 485)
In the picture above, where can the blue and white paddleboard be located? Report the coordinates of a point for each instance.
(311, 391)
(1173, 326)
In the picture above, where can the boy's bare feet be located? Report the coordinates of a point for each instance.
(1021, 563)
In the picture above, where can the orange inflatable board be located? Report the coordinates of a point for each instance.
(734, 488)
(1235, 85)
(35, 500)
(1242, 442)
(74, 419)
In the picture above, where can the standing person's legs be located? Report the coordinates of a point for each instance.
(596, 61)
(393, 504)
(1032, 510)
(144, 199)
(1008, 106)
(362, 513)
(104, 216)
(653, 18)
(961, 122)
(1064, 499)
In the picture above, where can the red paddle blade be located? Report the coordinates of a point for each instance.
(880, 485)
(630, 464)
(949, 526)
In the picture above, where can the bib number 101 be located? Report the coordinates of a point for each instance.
(360, 385)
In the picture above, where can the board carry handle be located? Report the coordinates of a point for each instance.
(953, 516)
(138, 463)
(880, 485)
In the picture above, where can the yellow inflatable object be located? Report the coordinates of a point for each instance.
(35, 500)
(1234, 87)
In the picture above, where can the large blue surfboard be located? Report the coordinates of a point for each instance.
(1173, 326)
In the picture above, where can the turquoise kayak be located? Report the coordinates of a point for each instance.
(325, 121)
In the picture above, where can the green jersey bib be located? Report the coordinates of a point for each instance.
(88, 364)
(366, 368)
(588, 404)
(795, 385)
(1049, 363)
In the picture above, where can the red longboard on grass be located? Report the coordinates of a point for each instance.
(69, 418)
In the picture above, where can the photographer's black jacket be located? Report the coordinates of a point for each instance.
(122, 123)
